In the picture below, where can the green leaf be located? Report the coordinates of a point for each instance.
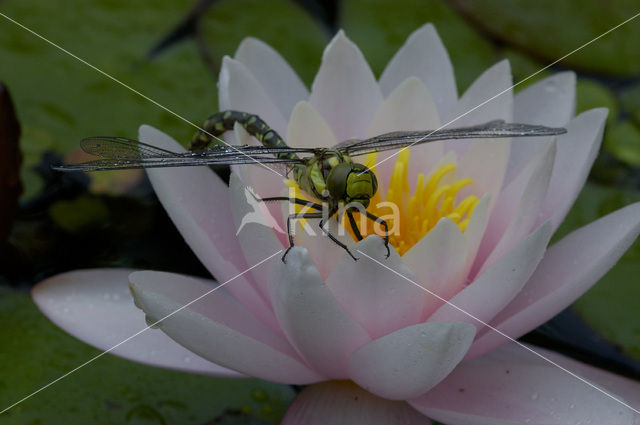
(550, 29)
(630, 100)
(60, 100)
(591, 94)
(109, 390)
(623, 142)
(282, 24)
(380, 28)
(611, 306)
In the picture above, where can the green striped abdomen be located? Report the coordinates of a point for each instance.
(223, 121)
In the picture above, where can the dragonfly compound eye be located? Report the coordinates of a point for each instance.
(361, 185)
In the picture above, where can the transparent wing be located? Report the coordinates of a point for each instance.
(402, 139)
(119, 153)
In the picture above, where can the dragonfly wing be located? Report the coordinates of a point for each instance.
(180, 161)
(120, 147)
(403, 139)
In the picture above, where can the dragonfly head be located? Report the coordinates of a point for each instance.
(352, 183)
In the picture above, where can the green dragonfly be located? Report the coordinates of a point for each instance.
(329, 175)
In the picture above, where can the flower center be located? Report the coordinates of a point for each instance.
(410, 216)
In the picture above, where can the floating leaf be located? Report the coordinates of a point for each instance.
(550, 29)
(623, 142)
(110, 390)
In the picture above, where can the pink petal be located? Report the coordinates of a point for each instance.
(307, 128)
(490, 97)
(527, 202)
(343, 402)
(313, 320)
(409, 107)
(345, 91)
(626, 389)
(569, 269)
(576, 152)
(511, 389)
(96, 307)
(499, 284)
(438, 262)
(549, 102)
(216, 327)
(410, 361)
(277, 78)
(358, 285)
(197, 201)
(424, 56)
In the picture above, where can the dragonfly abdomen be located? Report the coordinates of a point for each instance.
(223, 121)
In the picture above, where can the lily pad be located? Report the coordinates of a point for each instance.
(109, 390)
(380, 28)
(550, 29)
(611, 306)
(60, 100)
(591, 94)
(630, 100)
(623, 142)
(282, 24)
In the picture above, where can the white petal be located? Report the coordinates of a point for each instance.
(505, 389)
(409, 107)
(277, 78)
(343, 402)
(577, 149)
(239, 90)
(217, 328)
(475, 230)
(527, 198)
(345, 91)
(549, 102)
(358, 285)
(424, 56)
(197, 202)
(410, 361)
(307, 128)
(313, 320)
(490, 97)
(485, 162)
(499, 284)
(257, 238)
(438, 262)
(568, 269)
(96, 307)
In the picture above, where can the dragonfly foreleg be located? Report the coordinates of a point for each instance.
(354, 225)
(333, 238)
(386, 229)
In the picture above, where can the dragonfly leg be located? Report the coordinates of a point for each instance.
(295, 217)
(386, 230)
(333, 238)
(354, 225)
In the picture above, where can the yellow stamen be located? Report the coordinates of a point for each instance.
(431, 200)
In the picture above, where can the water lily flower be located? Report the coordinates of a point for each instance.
(374, 338)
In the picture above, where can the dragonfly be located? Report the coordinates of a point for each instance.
(329, 175)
